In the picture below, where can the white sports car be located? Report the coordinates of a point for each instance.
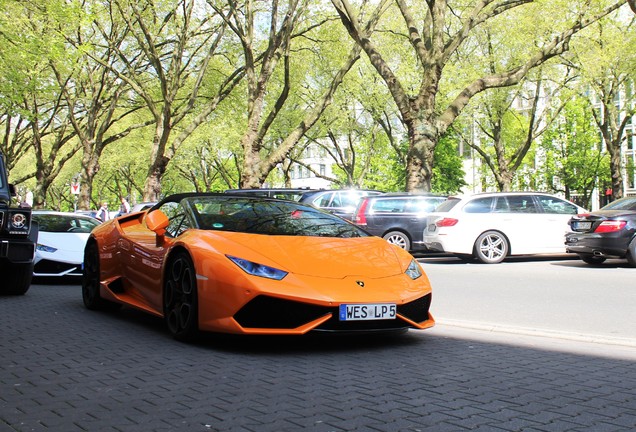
(61, 241)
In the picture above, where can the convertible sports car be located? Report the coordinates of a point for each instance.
(253, 265)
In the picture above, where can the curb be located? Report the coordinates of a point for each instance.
(529, 331)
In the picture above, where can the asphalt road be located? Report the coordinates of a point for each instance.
(560, 297)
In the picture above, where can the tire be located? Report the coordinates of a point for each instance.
(631, 253)
(491, 247)
(180, 298)
(591, 259)
(398, 238)
(18, 278)
(91, 279)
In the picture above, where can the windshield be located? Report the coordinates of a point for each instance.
(447, 205)
(265, 216)
(60, 223)
(627, 203)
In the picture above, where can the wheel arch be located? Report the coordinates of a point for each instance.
(173, 252)
(398, 229)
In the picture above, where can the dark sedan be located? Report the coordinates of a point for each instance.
(606, 233)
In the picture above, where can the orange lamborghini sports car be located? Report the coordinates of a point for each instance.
(253, 265)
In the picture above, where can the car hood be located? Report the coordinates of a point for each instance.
(68, 242)
(319, 256)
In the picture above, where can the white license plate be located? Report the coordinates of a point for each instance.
(372, 311)
(583, 225)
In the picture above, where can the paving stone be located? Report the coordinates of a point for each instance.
(68, 369)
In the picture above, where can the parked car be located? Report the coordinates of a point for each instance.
(142, 206)
(91, 213)
(398, 218)
(61, 240)
(606, 233)
(341, 202)
(18, 237)
(293, 194)
(492, 226)
(253, 265)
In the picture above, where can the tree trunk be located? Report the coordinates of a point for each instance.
(419, 167)
(616, 171)
(152, 187)
(89, 169)
(42, 185)
(158, 160)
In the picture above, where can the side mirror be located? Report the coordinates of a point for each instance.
(157, 221)
(12, 189)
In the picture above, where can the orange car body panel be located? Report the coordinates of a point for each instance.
(132, 259)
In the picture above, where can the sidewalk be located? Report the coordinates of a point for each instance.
(537, 332)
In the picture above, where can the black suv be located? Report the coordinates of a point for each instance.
(400, 218)
(17, 240)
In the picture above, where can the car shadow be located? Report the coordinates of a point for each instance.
(56, 280)
(450, 259)
(609, 264)
(313, 342)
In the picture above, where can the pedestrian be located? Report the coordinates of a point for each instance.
(102, 213)
(124, 208)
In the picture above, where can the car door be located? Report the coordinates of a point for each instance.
(387, 214)
(521, 220)
(146, 257)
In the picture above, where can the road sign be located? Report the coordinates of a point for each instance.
(75, 188)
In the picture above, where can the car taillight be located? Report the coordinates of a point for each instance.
(360, 218)
(610, 226)
(446, 222)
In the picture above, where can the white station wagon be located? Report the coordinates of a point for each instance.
(492, 226)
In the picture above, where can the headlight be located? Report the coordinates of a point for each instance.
(414, 270)
(18, 222)
(258, 269)
(45, 248)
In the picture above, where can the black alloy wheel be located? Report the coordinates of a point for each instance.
(180, 302)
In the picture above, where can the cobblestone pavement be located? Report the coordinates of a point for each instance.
(64, 368)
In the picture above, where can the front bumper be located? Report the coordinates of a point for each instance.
(47, 267)
(17, 251)
(273, 315)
